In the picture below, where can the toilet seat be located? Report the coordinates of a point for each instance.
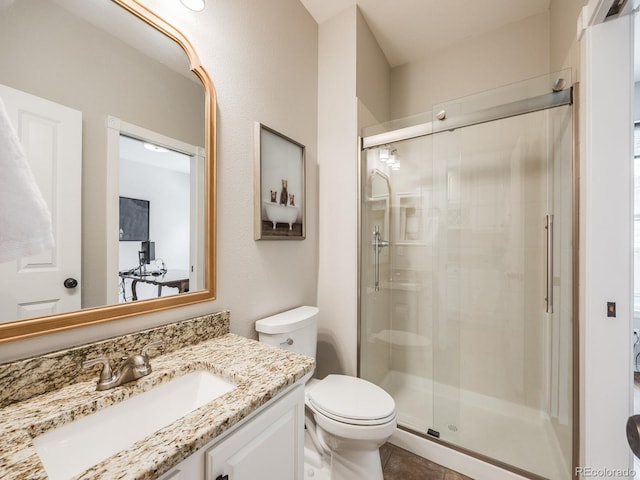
(351, 400)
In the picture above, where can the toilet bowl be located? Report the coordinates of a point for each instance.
(347, 418)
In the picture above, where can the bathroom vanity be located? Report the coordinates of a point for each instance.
(252, 430)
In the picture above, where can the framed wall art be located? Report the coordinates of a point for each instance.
(134, 219)
(279, 186)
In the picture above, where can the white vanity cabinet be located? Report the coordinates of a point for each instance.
(268, 444)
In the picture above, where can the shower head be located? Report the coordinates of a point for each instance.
(559, 85)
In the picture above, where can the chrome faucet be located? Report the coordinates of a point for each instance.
(132, 368)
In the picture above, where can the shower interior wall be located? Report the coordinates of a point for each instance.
(494, 355)
(487, 61)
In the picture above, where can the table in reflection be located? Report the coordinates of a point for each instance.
(171, 278)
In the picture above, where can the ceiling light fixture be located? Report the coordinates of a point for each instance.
(195, 5)
(394, 161)
(154, 148)
(392, 156)
(383, 154)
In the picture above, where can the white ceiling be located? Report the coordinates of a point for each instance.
(409, 30)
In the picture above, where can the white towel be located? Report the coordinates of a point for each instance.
(25, 220)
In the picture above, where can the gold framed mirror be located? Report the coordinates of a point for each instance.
(102, 270)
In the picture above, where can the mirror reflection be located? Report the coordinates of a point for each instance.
(87, 85)
(154, 254)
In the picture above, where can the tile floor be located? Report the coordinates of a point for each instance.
(399, 464)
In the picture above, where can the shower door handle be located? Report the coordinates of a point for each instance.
(549, 228)
(378, 243)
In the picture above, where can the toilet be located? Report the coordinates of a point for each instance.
(347, 418)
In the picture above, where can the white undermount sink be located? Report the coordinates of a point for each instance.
(73, 448)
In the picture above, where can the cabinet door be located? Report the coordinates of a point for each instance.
(173, 474)
(270, 446)
(191, 468)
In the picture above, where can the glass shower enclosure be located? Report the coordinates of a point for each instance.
(466, 274)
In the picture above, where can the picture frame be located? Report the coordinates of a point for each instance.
(134, 219)
(279, 182)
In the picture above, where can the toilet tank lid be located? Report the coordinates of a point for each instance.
(287, 321)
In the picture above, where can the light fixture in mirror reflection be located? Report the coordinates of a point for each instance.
(195, 5)
(111, 76)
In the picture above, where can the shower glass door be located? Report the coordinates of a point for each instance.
(466, 312)
(395, 281)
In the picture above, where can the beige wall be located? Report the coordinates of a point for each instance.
(512, 53)
(372, 74)
(353, 79)
(337, 154)
(262, 58)
(564, 48)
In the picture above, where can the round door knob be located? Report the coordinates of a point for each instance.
(633, 434)
(70, 283)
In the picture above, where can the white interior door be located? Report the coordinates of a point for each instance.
(51, 135)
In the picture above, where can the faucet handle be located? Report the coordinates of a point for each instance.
(150, 345)
(105, 375)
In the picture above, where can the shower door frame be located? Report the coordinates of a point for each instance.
(569, 97)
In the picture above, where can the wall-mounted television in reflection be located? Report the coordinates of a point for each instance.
(134, 219)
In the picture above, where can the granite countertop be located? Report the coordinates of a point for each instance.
(260, 371)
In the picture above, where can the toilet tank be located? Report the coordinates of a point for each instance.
(295, 330)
